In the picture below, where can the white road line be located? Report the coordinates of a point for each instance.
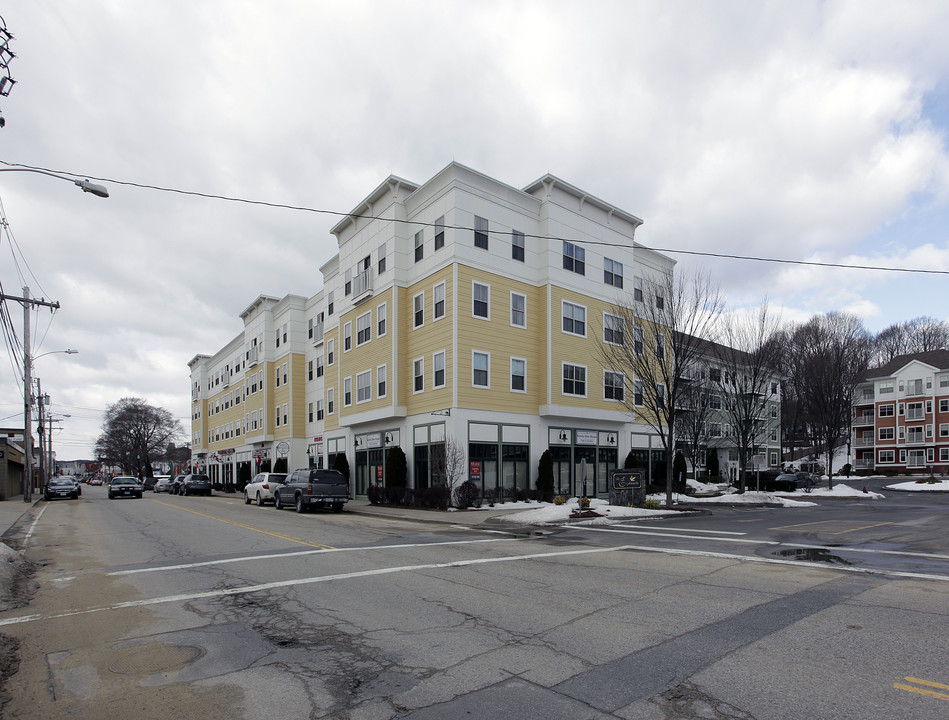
(298, 553)
(744, 541)
(185, 597)
(710, 532)
(29, 533)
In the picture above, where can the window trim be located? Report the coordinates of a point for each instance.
(348, 391)
(418, 374)
(368, 328)
(435, 384)
(418, 307)
(518, 244)
(363, 374)
(622, 329)
(444, 288)
(512, 375)
(419, 245)
(481, 230)
(563, 366)
(487, 356)
(347, 336)
(622, 385)
(382, 317)
(487, 316)
(574, 258)
(523, 326)
(385, 379)
(563, 316)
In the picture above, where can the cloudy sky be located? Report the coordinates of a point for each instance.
(787, 130)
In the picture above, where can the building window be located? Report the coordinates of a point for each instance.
(660, 396)
(660, 302)
(638, 392)
(363, 329)
(480, 369)
(574, 380)
(943, 429)
(613, 273)
(914, 411)
(309, 370)
(574, 319)
(614, 385)
(885, 387)
(285, 416)
(518, 310)
(381, 320)
(329, 303)
(330, 400)
(348, 286)
(419, 245)
(639, 340)
(347, 391)
(277, 416)
(660, 347)
(418, 371)
(517, 245)
(518, 375)
(381, 381)
(440, 233)
(481, 297)
(347, 337)
(573, 258)
(319, 366)
(277, 376)
(438, 293)
(637, 289)
(438, 363)
(309, 412)
(480, 233)
(364, 386)
(330, 351)
(887, 433)
(612, 329)
(319, 410)
(886, 411)
(381, 259)
(419, 307)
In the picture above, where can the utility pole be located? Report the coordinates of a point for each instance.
(40, 427)
(28, 304)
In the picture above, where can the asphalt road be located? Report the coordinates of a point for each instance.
(172, 607)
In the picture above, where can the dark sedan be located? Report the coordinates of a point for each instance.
(61, 488)
(124, 486)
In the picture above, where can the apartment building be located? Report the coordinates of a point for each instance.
(901, 415)
(461, 310)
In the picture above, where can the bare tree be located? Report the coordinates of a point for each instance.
(134, 433)
(749, 359)
(448, 466)
(920, 334)
(829, 357)
(655, 340)
(692, 431)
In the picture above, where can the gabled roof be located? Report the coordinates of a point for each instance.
(937, 359)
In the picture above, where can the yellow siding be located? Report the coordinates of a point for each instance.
(331, 379)
(370, 355)
(503, 341)
(434, 336)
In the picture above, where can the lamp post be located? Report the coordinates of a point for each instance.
(42, 399)
(28, 304)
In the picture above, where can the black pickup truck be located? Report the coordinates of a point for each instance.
(304, 489)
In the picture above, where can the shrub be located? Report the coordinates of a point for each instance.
(468, 495)
(584, 502)
(651, 504)
(396, 468)
(280, 466)
(560, 500)
(341, 463)
(679, 469)
(545, 475)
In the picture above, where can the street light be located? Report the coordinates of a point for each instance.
(28, 304)
(84, 185)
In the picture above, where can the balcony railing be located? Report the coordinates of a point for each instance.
(863, 442)
(863, 420)
(317, 334)
(362, 285)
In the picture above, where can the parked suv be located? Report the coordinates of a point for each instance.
(195, 485)
(304, 489)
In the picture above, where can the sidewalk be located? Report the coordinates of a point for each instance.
(469, 518)
(12, 509)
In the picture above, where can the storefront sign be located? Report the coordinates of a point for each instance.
(586, 437)
(374, 441)
(475, 471)
(379, 472)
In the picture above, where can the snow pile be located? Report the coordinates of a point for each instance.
(913, 486)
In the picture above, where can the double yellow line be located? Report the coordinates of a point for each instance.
(247, 527)
(923, 690)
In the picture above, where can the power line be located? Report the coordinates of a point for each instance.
(336, 213)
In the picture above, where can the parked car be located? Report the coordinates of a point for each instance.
(61, 487)
(195, 485)
(176, 483)
(75, 480)
(309, 488)
(261, 488)
(149, 482)
(124, 486)
(162, 484)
